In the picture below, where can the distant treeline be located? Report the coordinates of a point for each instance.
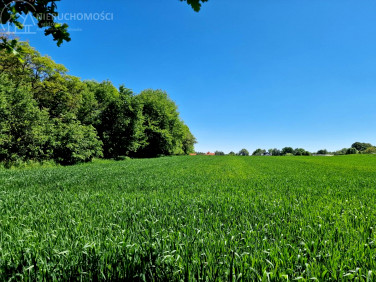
(356, 148)
(46, 114)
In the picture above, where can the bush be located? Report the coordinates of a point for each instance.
(351, 151)
(19, 164)
(370, 150)
(74, 142)
(341, 152)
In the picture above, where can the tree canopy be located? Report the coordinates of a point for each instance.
(361, 146)
(287, 150)
(47, 114)
(243, 152)
(322, 152)
(258, 152)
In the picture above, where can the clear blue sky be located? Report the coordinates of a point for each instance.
(244, 73)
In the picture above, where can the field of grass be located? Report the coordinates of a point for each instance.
(191, 218)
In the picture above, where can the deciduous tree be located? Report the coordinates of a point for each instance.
(287, 150)
(258, 152)
(243, 152)
(361, 146)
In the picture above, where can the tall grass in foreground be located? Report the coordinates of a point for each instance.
(191, 218)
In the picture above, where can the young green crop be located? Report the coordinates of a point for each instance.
(191, 218)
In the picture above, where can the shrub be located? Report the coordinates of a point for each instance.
(74, 142)
(370, 150)
(351, 151)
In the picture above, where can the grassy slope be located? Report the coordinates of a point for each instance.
(191, 217)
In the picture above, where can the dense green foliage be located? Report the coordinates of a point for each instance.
(275, 152)
(47, 114)
(191, 218)
(258, 152)
(322, 152)
(370, 150)
(356, 148)
(165, 133)
(243, 152)
(284, 152)
(287, 150)
(360, 147)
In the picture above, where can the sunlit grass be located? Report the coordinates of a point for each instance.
(191, 218)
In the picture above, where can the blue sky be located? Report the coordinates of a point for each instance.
(244, 73)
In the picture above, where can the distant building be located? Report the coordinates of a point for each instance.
(267, 154)
(202, 154)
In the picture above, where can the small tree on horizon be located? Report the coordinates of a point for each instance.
(361, 146)
(259, 152)
(287, 150)
(275, 152)
(243, 152)
(322, 152)
(301, 152)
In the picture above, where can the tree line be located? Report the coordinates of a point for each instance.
(46, 114)
(356, 148)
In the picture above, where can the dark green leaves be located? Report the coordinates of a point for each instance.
(59, 33)
(44, 11)
(196, 4)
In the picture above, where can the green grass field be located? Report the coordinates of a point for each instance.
(191, 218)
